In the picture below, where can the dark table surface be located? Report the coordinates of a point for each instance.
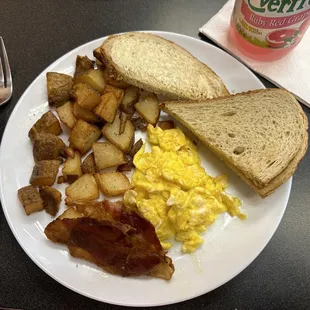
(36, 33)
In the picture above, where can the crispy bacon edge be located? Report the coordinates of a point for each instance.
(133, 250)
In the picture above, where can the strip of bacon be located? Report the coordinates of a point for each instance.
(118, 241)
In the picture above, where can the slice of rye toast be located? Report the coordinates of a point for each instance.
(160, 66)
(261, 135)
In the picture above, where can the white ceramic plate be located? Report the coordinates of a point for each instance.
(230, 244)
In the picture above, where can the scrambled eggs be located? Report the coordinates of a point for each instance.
(173, 191)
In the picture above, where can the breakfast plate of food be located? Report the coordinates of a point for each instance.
(148, 168)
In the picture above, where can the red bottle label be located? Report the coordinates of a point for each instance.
(272, 23)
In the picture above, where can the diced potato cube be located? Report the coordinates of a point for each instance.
(89, 165)
(47, 146)
(148, 108)
(124, 140)
(97, 54)
(30, 199)
(51, 199)
(85, 96)
(61, 179)
(107, 155)
(100, 65)
(57, 231)
(84, 114)
(112, 81)
(99, 58)
(44, 173)
(83, 135)
(59, 86)
(72, 168)
(67, 152)
(107, 107)
(123, 120)
(48, 123)
(119, 93)
(131, 96)
(93, 78)
(113, 183)
(165, 125)
(139, 124)
(83, 189)
(70, 213)
(65, 113)
(82, 65)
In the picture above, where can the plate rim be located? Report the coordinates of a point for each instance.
(60, 281)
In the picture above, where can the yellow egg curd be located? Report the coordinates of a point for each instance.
(173, 191)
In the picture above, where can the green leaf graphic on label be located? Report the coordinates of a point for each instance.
(288, 39)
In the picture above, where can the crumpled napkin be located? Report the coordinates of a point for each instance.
(291, 72)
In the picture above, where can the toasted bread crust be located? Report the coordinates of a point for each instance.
(264, 189)
(116, 71)
(279, 179)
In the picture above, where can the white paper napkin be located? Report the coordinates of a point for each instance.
(291, 72)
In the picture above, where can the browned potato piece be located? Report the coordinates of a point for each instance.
(82, 65)
(123, 120)
(99, 58)
(107, 107)
(30, 199)
(56, 231)
(125, 167)
(48, 123)
(100, 64)
(67, 152)
(84, 114)
(94, 209)
(51, 199)
(137, 146)
(165, 125)
(111, 81)
(131, 96)
(97, 54)
(72, 168)
(148, 108)
(65, 113)
(44, 172)
(89, 165)
(70, 213)
(85, 96)
(125, 140)
(61, 179)
(107, 155)
(83, 135)
(93, 78)
(139, 123)
(113, 183)
(59, 86)
(119, 93)
(83, 189)
(47, 146)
